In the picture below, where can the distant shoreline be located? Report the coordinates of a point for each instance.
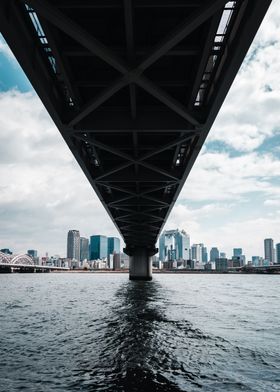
(190, 272)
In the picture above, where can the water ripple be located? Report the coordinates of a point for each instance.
(104, 333)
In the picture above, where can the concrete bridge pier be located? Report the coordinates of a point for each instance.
(140, 262)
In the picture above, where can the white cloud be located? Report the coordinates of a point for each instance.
(244, 232)
(43, 191)
(272, 203)
(251, 113)
(217, 176)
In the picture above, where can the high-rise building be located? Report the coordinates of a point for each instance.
(204, 254)
(197, 252)
(221, 264)
(6, 251)
(278, 253)
(237, 252)
(214, 254)
(269, 250)
(73, 245)
(223, 255)
(124, 260)
(98, 247)
(84, 248)
(113, 245)
(256, 261)
(32, 253)
(117, 261)
(174, 245)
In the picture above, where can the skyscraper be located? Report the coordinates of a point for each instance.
(113, 245)
(278, 253)
(98, 247)
(6, 251)
(269, 250)
(197, 252)
(237, 252)
(256, 261)
(32, 253)
(84, 248)
(204, 254)
(174, 245)
(214, 254)
(73, 245)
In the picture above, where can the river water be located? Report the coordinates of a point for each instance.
(100, 332)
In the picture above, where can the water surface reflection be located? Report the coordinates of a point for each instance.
(136, 354)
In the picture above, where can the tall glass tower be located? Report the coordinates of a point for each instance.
(113, 245)
(174, 245)
(214, 254)
(237, 252)
(269, 250)
(84, 248)
(278, 253)
(73, 245)
(98, 247)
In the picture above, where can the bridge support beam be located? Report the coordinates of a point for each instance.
(140, 263)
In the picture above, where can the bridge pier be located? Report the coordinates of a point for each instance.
(140, 262)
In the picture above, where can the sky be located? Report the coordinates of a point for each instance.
(230, 199)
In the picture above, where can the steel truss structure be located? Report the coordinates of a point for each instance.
(134, 87)
(15, 259)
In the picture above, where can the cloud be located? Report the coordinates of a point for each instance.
(272, 203)
(43, 191)
(27, 134)
(250, 113)
(218, 176)
(226, 231)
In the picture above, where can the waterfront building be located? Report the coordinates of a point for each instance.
(278, 253)
(197, 252)
(214, 254)
(208, 266)
(32, 253)
(236, 261)
(237, 252)
(110, 261)
(117, 261)
(6, 251)
(189, 264)
(221, 264)
(124, 260)
(198, 265)
(84, 248)
(269, 250)
(73, 245)
(256, 261)
(242, 260)
(174, 245)
(98, 247)
(204, 254)
(114, 245)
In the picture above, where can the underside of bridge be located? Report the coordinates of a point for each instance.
(134, 87)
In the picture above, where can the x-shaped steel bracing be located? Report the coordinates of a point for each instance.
(129, 75)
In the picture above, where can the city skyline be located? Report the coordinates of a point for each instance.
(178, 240)
(230, 199)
